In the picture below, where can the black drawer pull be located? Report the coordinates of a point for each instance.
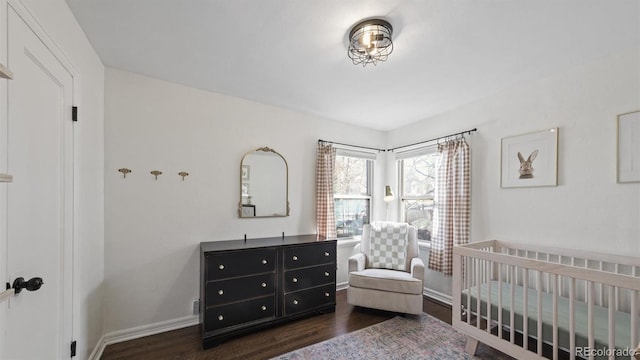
(221, 267)
(295, 258)
(326, 273)
(327, 294)
(326, 253)
(264, 285)
(295, 302)
(295, 280)
(220, 317)
(264, 308)
(264, 262)
(220, 292)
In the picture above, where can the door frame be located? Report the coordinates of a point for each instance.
(40, 32)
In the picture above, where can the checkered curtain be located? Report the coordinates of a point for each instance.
(452, 213)
(325, 213)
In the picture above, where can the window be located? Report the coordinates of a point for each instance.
(352, 178)
(417, 186)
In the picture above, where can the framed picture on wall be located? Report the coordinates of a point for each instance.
(530, 160)
(628, 163)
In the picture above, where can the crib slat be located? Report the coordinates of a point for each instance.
(539, 318)
(601, 293)
(572, 320)
(479, 297)
(555, 317)
(512, 325)
(548, 284)
(634, 319)
(586, 290)
(499, 300)
(489, 272)
(617, 270)
(591, 323)
(612, 324)
(525, 309)
(468, 262)
(518, 281)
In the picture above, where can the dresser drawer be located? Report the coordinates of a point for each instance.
(240, 263)
(309, 277)
(304, 300)
(301, 256)
(220, 317)
(232, 290)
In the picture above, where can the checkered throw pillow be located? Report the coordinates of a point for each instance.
(388, 248)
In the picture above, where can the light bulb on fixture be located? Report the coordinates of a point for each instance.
(366, 39)
(388, 194)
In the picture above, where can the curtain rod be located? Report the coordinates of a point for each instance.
(403, 146)
(356, 146)
(435, 139)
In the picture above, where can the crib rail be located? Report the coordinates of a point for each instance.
(511, 294)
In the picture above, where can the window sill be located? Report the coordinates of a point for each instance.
(348, 241)
(424, 244)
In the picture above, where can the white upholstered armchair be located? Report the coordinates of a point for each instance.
(387, 273)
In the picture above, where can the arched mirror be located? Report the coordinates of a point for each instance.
(264, 187)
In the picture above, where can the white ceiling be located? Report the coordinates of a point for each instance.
(293, 53)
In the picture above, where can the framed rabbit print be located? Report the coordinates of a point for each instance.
(629, 147)
(530, 159)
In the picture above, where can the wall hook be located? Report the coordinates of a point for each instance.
(183, 174)
(156, 173)
(124, 172)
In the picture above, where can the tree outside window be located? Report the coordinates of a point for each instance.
(417, 180)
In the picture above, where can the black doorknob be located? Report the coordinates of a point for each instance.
(32, 285)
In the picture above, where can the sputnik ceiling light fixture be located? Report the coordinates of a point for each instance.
(370, 42)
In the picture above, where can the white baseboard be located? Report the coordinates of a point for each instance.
(436, 295)
(142, 331)
(98, 350)
(342, 286)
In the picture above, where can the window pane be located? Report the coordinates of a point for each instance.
(351, 214)
(419, 175)
(350, 176)
(419, 213)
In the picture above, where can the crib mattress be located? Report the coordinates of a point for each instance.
(601, 316)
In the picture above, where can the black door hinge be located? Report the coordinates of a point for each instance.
(74, 113)
(73, 348)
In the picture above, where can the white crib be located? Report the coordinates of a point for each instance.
(560, 301)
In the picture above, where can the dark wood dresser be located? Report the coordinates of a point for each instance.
(252, 284)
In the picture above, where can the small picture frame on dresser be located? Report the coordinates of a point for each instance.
(248, 210)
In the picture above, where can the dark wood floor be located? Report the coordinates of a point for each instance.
(185, 344)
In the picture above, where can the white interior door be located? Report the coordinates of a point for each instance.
(40, 199)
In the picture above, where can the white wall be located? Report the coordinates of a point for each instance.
(153, 228)
(58, 21)
(588, 210)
